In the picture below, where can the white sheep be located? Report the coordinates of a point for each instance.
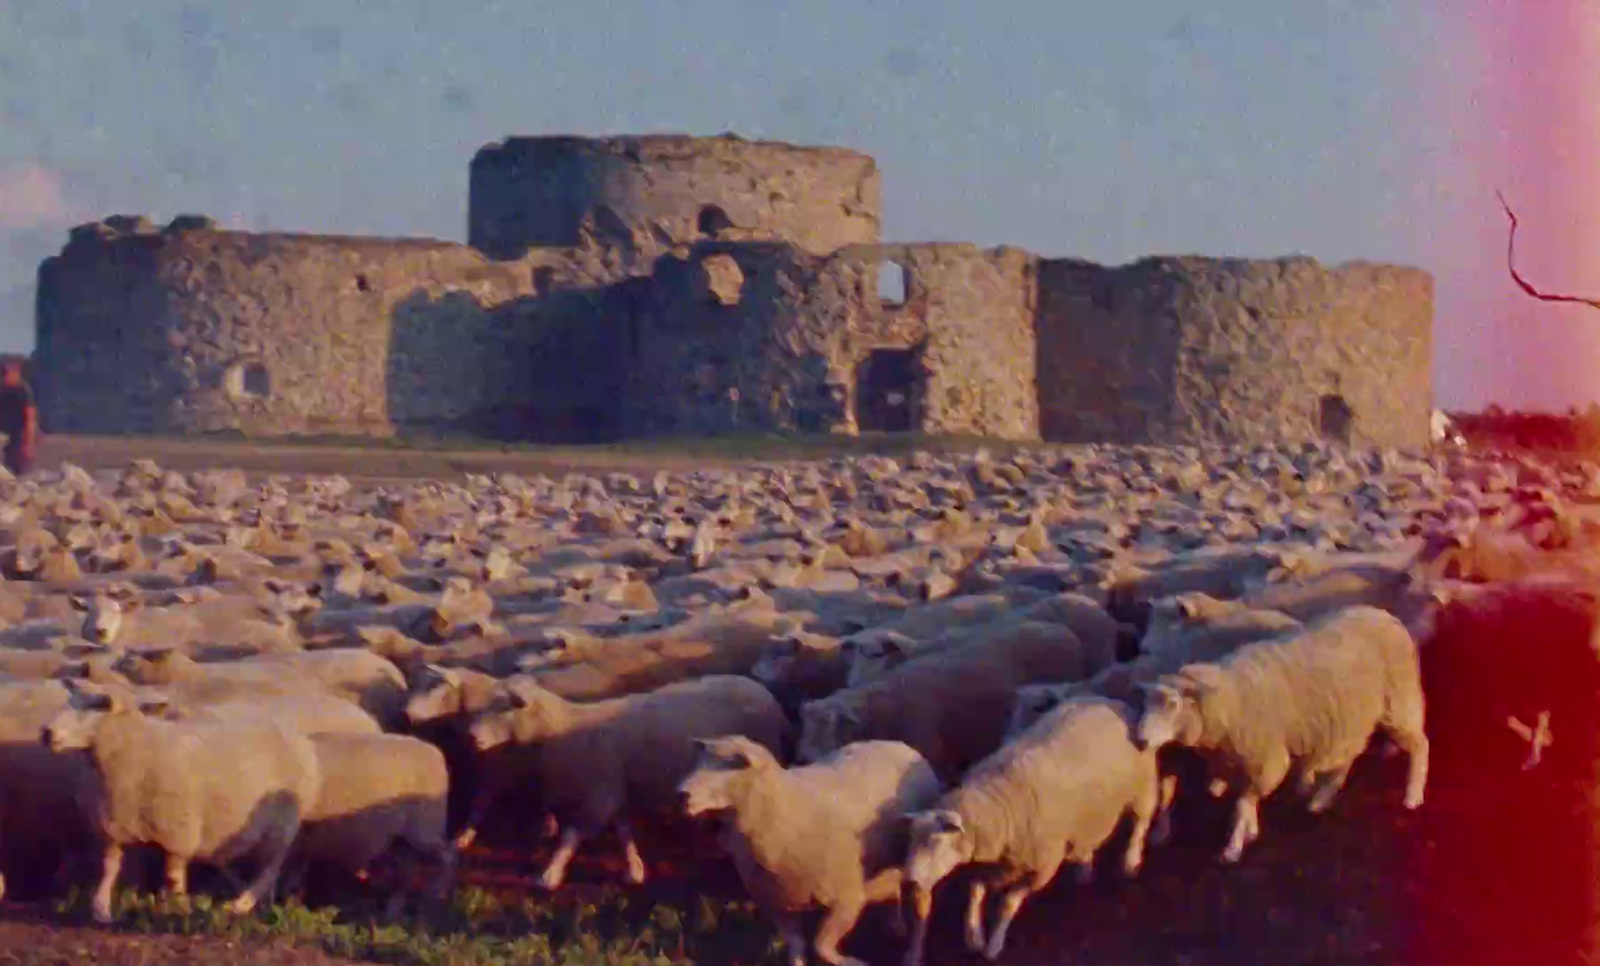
(378, 793)
(354, 674)
(1314, 699)
(828, 835)
(1184, 629)
(1054, 795)
(39, 790)
(442, 705)
(1222, 573)
(208, 790)
(876, 652)
(801, 666)
(597, 763)
(952, 706)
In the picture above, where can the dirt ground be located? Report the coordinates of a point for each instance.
(376, 462)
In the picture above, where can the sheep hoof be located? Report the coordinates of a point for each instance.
(102, 914)
(974, 938)
(244, 905)
(550, 881)
(1130, 870)
(635, 873)
(464, 840)
(1413, 800)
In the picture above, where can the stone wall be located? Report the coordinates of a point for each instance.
(769, 337)
(1190, 350)
(189, 328)
(669, 284)
(644, 195)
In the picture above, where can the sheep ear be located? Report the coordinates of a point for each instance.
(949, 822)
(78, 603)
(1187, 607)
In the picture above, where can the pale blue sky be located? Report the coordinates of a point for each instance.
(1101, 129)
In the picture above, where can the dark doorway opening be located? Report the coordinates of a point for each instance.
(886, 389)
(1335, 419)
(713, 221)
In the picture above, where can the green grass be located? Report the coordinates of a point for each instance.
(477, 929)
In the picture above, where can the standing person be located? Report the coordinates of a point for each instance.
(19, 420)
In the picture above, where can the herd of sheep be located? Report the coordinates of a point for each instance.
(866, 673)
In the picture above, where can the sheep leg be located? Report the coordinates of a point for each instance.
(1161, 830)
(630, 849)
(177, 870)
(1010, 903)
(794, 938)
(974, 930)
(1415, 744)
(475, 815)
(922, 907)
(1329, 784)
(556, 872)
(108, 880)
(835, 926)
(888, 885)
(276, 844)
(444, 862)
(1246, 826)
(1145, 808)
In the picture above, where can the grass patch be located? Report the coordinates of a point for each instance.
(477, 929)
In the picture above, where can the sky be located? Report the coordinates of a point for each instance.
(1342, 129)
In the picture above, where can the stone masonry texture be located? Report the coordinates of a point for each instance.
(668, 285)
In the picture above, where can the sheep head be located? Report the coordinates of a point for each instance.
(436, 692)
(1171, 714)
(78, 725)
(1032, 702)
(940, 842)
(155, 666)
(877, 655)
(102, 616)
(522, 715)
(724, 770)
(773, 665)
(825, 725)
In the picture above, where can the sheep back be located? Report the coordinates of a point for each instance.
(953, 706)
(1319, 692)
(375, 789)
(816, 834)
(207, 789)
(1057, 791)
(635, 750)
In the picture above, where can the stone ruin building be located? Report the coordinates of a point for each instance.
(665, 285)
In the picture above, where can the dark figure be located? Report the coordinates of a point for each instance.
(18, 418)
